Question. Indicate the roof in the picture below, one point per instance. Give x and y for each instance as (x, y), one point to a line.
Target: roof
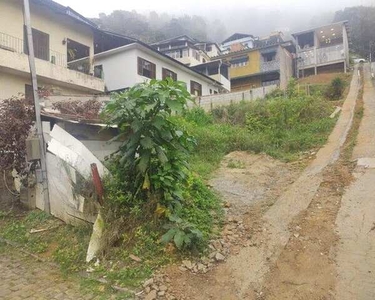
(180, 37)
(210, 63)
(237, 36)
(65, 10)
(136, 42)
(284, 44)
(345, 23)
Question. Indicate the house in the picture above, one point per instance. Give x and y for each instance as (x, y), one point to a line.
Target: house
(268, 62)
(237, 41)
(184, 49)
(136, 62)
(199, 56)
(323, 49)
(61, 36)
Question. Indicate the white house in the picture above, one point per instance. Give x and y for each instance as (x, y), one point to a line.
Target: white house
(125, 66)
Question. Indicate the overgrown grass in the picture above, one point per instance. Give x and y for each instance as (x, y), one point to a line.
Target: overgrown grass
(279, 127)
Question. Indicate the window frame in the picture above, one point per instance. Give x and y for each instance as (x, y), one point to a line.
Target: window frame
(141, 68)
(195, 86)
(165, 72)
(38, 41)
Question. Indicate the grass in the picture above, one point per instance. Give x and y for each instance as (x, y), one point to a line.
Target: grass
(282, 128)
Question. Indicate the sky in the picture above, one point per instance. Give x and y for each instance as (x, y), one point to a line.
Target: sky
(91, 8)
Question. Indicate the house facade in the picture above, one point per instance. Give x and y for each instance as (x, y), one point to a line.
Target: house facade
(60, 37)
(236, 42)
(125, 66)
(271, 63)
(322, 49)
(200, 56)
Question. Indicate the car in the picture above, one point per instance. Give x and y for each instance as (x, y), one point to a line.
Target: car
(359, 60)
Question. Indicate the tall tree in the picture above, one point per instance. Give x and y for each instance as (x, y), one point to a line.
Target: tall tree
(362, 27)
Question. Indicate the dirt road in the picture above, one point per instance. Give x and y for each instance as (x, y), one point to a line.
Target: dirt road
(291, 228)
(356, 218)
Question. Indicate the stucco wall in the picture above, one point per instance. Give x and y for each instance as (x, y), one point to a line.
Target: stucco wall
(120, 70)
(286, 67)
(57, 26)
(13, 85)
(252, 67)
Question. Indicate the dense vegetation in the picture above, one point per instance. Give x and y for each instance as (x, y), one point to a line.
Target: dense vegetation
(362, 23)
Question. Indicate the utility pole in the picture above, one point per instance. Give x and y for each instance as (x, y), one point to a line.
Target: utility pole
(43, 162)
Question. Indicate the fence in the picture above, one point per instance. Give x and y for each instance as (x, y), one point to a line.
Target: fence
(209, 102)
(14, 44)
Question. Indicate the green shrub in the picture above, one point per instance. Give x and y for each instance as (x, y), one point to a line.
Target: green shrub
(150, 174)
(336, 89)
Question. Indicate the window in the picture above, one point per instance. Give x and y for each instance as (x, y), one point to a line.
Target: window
(169, 73)
(195, 88)
(209, 48)
(76, 50)
(29, 92)
(98, 71)
(146, 68)
(239, 62)
(40, 42)
(269, 56)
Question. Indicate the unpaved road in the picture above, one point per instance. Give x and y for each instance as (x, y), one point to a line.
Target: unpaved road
(356, 218)
(290, 217)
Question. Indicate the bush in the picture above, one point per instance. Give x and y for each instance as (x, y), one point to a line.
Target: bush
(336, 89)
(151, 172)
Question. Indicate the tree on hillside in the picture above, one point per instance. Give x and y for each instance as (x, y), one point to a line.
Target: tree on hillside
(362, 24)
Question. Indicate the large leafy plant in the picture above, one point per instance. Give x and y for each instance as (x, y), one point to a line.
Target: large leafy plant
(152, 162)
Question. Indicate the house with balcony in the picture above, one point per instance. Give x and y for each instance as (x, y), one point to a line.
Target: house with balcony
(237, 41)
(322, 49)
(199, 56)
(61, 37)
(184, 49)
(269, 62)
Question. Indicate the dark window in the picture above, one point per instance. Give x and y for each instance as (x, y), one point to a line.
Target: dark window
(209, 48)
(146, 68)
(98, 71)
(169, 73)
(41, 44)
(76, 50)
(269, 56)
(195, 88)
(210, 91)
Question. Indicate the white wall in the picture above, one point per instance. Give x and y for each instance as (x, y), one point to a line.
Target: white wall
(120, 70)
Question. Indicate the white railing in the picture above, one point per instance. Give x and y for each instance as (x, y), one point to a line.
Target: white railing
(212, 101)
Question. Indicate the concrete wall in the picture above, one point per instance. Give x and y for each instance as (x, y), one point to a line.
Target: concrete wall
(286, 67)
(121, 70)
(209, 102)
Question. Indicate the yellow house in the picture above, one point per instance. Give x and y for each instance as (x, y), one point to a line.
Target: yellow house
(61, 37)
(266, 64)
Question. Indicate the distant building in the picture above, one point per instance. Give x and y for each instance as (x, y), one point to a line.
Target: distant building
(61, 36)
(136, 62)
(322, 49)
(199, 56)
(269, 61)
(237, 42)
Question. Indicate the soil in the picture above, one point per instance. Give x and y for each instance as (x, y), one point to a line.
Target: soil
(289, 248)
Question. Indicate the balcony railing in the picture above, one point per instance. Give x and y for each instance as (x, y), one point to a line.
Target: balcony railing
(330, 54)
(13, 44)
(323, 55)
(268, 66)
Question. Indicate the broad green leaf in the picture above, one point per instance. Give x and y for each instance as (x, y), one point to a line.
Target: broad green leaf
(179, 239)
(168, 236)
(147, 143)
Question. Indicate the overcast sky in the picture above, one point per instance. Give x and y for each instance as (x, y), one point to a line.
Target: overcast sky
(91, 8)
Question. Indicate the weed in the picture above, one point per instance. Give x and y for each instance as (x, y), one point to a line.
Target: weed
(235, 164)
